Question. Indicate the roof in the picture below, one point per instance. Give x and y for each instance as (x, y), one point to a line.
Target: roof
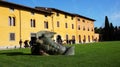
(57, 10)
(18, 6)
(54, 9)
(43, 10)
(84, 17)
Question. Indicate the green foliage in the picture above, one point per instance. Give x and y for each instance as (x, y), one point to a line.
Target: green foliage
(108, 32)
(102, 54)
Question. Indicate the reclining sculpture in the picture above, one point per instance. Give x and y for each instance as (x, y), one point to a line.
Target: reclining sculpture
(43, 44)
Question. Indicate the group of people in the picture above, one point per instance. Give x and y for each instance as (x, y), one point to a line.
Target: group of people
(26, 43)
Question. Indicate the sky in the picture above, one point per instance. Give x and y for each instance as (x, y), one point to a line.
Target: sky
(95, 9)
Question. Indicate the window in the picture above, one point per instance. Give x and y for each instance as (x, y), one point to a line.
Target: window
(12, 36)
(78, 27)
(57, 14)
(32, 13)
(11, 21)
(73, 37)
(32, 22)
(46, 24)
(58, 24)
(92, 29)
(45, 15)
(65, 16)
(72, 26)
(79, 38)
(83, 20)
(33, 34)
(89, 38)
(88, 29)
(72, 18)
(84, 40)
(84, 28)
(11, 9)
(92, 38)
(78, 19)
(66, 26)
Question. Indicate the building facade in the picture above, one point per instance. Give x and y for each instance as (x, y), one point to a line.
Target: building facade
(18, 22)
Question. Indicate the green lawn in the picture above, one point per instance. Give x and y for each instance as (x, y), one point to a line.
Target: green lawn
(103, 54)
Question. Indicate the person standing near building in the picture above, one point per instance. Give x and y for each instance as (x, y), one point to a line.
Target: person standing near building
(20, 42)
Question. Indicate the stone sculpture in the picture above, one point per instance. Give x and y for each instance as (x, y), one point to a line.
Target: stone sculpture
(43, 44)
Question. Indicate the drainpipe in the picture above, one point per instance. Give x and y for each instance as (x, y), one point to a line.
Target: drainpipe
(52, 24)
(20, 23)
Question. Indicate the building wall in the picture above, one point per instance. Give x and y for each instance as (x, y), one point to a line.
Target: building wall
(6, 29)
(62, 30)
(23, 29)
(86, 31)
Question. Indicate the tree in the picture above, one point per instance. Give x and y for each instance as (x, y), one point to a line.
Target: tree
(106, 30)
(111, 32)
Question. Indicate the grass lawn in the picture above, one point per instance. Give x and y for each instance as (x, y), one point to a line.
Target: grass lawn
(102, 54)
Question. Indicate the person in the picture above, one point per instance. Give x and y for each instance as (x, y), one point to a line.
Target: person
(20, 42)
(26, 43)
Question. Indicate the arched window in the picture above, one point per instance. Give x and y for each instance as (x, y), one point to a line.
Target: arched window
(88, 38)
(32, 22)
(79, 38)
(84, 40)
(11, 21)
(92, 38)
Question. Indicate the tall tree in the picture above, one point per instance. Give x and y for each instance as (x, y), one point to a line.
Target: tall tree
(106, 31)
(111, 32)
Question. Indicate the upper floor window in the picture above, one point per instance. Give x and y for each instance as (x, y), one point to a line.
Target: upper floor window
(92, 29)
(58, 24)
(72, 18)
(11, 9)
(65, 16)
(46, 24)
(45, 15)
(32, 13)
(83, 20)
(11, 21)
(72, 26)
(32, 22)
(88, 29)
(12, 36)
(57, 14)
(78, 19)
(78, 27)
(83, 27)
(66, 25)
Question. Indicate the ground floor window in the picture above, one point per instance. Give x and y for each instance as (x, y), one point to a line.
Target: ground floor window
(33, 34)
(89, 38)
(79, 38)
(12, 36)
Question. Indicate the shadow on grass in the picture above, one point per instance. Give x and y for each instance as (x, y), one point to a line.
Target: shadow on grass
(14, 53)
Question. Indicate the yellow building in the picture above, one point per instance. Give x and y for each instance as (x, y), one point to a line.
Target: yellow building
(85, 29)
(18, 22)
